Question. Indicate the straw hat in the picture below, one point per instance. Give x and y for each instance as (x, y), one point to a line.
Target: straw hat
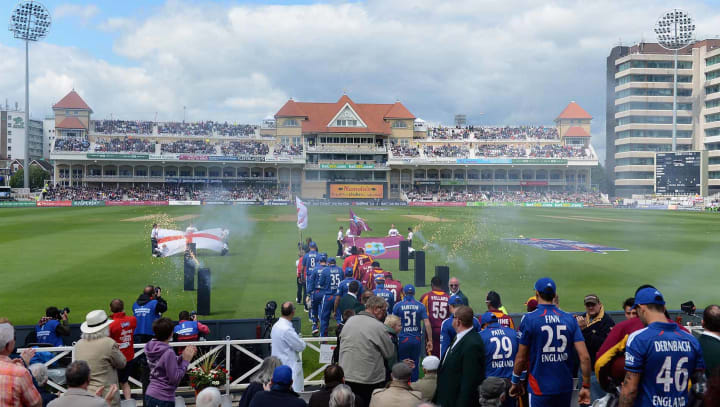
(95, 321)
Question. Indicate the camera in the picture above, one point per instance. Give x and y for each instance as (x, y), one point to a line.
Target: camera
(688, 307)
(65, 310)
(270, 309)
(157, 290)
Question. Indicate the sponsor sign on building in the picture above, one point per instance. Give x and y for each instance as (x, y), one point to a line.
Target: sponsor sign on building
(354, 191)
(112, 156)
(347, 166)
(16, 204)
(88, 203)
(54, 204)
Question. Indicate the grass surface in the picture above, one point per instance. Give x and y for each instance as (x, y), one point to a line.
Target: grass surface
(84, 257)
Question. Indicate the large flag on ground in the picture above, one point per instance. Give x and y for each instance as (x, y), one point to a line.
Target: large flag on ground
(302, 213)
(172, 242)
(357, 224)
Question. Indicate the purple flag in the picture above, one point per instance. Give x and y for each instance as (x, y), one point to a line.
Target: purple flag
(357, 224)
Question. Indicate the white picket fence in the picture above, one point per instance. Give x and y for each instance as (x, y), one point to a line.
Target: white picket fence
(205, 350)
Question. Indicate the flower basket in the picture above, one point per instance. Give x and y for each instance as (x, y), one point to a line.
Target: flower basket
(207, 374)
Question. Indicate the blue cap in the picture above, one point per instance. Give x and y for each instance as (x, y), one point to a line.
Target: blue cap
(648, 296)
(313, 245)
(322, 257)
(348, 271)
(331, 259)
(488, 318)
(545, 285)
(380, 278)
(409, 289)
(455, 300)
(282, 375)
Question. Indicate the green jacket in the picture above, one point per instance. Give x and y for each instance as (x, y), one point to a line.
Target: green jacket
(461, 372)
(347, 301)
(710, 346)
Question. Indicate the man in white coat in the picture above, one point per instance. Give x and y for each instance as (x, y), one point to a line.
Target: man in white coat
(287, 345)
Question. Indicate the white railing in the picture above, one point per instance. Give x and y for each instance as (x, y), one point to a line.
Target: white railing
(215, 347)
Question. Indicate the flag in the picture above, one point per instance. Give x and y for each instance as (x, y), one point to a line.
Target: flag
(357, 224)
(302, 213)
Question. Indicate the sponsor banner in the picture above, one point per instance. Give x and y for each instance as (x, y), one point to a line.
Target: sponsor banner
(281, 158)
(88, 203)
(188, 157)
(18, 204)
(54, 204)
(427, 182)
(113, 156)
(483, 161)
(246, 203)
(438, 204)
(161, 157)
(216, 202)
(539, 161)
(184, 203)
(452, 182)
(347, 166)
(136, 203)
(277, 203)
(564, 245)
(533, 183)
(351, 191)
(378, 247)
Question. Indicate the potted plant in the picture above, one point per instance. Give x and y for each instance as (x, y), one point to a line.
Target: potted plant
(206, 374)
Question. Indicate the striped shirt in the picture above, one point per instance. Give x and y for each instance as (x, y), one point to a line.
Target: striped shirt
(16, 386)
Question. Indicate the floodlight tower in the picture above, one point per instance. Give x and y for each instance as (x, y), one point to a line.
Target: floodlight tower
(30, 21)
(674, 31)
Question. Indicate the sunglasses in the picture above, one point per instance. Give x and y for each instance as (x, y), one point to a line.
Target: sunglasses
(454, 285)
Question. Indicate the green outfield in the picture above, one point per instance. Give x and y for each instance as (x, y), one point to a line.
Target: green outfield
(84, 257)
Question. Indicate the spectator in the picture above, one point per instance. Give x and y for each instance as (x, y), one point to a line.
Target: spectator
(13, 374)
(463, 367)
(77, 377)
(40, 373)
(710, 340)
(393, 326)
(595, 326)
(350, 300)
(188, 328)
(455, 290)
(280, 393)
(398, 392)
(260, 381)
(148, 308)
(287, 345)
(365, 346)
(101, 353)
(342, 396)
(121, 331)
(209, 397)
(167, 368)
(334, 377)
(494, 305)
(428, 383)
(52, 327)
(630, 311)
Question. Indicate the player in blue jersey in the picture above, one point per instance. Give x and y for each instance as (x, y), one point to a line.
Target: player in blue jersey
(343, 289)
(413, 316)
(500, 350)
(313, 292)
(447, 332)
(381, 291)
(660, 359)
(328, 282)
(546, 337)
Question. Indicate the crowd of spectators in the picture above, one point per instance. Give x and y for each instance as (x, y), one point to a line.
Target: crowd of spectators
(493, 133)
(399, 150)
(244, 193)
(206, 129)
(123, 127)
(126, 144)
(287, 149)
(188, 147)
(446, 195)
(237, 148)
(446, 151)
(164, 193)
(72, 144)
(531, 151)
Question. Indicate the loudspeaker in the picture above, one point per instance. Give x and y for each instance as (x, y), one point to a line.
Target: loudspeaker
(203, 292)
(419, 268)
(444, 273)
(189, 280)
(404, 245)
(193, 248)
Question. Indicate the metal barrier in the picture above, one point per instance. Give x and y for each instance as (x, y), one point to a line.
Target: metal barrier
(216, 347)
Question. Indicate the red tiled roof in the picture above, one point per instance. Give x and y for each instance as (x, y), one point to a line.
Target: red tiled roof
(318, 115)
(72, 101)
(576, 131)
(574, 111)
(71, 123)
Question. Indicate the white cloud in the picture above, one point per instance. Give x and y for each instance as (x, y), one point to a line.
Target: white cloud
(82, 12)
(516, 62)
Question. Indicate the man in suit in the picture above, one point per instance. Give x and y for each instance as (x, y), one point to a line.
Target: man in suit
(350, 300)
(463, 367)
(455, 290)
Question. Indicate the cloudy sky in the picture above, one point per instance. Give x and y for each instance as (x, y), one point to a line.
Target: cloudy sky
(499, 62)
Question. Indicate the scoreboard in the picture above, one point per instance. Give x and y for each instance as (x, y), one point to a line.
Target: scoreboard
(678, 173)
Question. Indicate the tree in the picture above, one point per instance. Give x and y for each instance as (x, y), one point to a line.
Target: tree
(599, 177)
(38, 176)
